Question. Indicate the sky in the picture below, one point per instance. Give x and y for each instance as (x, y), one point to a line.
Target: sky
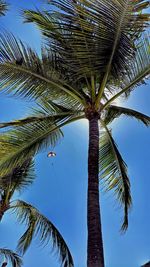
(60, 187)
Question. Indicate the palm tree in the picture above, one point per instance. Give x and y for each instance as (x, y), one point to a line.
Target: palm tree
(7, 255)
(37, 224)
(3, 7)
(91, 56)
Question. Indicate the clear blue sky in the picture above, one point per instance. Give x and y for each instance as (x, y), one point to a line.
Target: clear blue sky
(60, 188)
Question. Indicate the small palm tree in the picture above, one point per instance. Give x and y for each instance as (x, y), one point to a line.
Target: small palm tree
(7, 255)
(92, 56)
(37, 224)
(3, 7)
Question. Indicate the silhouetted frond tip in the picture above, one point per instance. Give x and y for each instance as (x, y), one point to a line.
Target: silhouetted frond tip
(114, 112)
(113, 172)
(3, 7)
(39, 226)
(13, 258)
(19, 177)
(22, 143)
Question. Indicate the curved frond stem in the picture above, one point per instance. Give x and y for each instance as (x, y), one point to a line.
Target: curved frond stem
(110, 139)
(134, 82)
(117, 37)
(81, 18)
(93, 91)
(40, 226)
(20, 155)
(73, 93)
(33, 119)
(114, 112)
(135, 73)
(115, 174)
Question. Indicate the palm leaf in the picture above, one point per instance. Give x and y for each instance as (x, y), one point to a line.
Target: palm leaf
(24, 73)
(91, 36)
(20, 177)
(114, 112)
(136, 72)
(39, 226)
(128, 29)
(16, 180)
(113, 172)
(3, 7)
(23, 142)
(11, 256)
(20, 144)
(49, 111)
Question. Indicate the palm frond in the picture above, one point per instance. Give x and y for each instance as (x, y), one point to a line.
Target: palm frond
(48, 110)
(3, 7)
(137, 71)
(113, 172)
(91, 36)
(114, 112)
(20, 177)
(24, 142)
(39, 226)
(16, 180)
(24, 73)
(11, 257)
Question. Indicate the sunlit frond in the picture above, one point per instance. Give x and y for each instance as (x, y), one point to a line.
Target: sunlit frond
(24, 73)
(20, 144)
(137, 71)
(114, 112)
(39, 226)
(10, 256)
(91, 36)
(113, 172)
(23, 142)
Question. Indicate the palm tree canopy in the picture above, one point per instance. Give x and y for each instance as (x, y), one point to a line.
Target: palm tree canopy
(91, 56)
(11, 257)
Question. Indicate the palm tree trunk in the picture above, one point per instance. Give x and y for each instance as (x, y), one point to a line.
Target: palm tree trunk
(95, 255)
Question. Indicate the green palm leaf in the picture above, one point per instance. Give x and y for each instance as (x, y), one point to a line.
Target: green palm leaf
(113, 171)
(20, 177)
(39, 225)
(91, 36)
(20, 144)
(24, 73)
(10, 256)
(16, 180)
(40, 115)
(136, 72)
(114, 112)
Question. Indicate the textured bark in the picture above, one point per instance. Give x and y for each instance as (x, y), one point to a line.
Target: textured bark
(95, 255)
